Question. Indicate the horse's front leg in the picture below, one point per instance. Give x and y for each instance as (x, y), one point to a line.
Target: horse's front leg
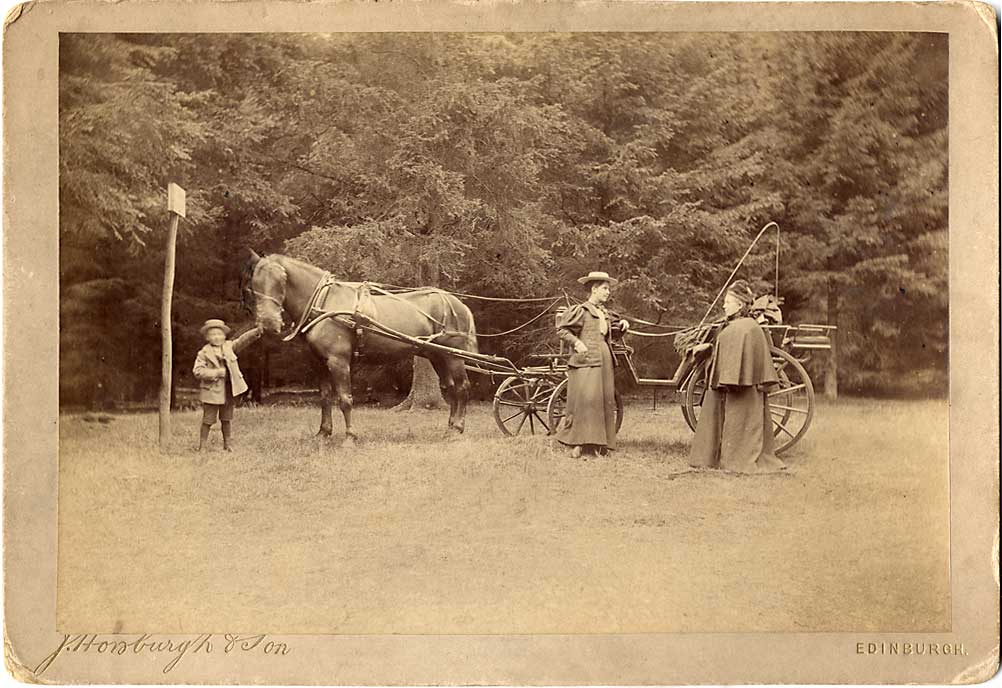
(340, 369)
(326, 396)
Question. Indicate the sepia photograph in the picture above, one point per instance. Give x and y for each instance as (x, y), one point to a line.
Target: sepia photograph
(505, 333)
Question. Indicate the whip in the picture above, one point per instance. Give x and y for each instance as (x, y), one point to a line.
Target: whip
(738, 267)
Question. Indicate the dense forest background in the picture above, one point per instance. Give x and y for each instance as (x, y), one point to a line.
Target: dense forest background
(507, 165)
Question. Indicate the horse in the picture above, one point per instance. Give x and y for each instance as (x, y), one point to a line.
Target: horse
(276, 283)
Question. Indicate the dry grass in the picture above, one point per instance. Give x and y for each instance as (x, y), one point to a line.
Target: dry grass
(412, 533)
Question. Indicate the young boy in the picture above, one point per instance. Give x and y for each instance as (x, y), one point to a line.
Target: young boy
(221, 381)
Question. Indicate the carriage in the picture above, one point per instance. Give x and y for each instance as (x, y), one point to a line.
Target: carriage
(531, 399)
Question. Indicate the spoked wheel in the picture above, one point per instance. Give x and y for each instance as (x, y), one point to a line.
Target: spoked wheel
(696, 383)
(694, 393)
(558, 401)
(520, 405)
(791, 403)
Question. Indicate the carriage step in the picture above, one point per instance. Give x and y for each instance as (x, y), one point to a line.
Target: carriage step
(811, 342)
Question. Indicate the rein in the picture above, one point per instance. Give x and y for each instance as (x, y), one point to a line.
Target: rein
(379, 290)
(314, 313)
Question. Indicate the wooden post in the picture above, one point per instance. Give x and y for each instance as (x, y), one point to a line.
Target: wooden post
(831, 370)
(176, 207)
(831, 365)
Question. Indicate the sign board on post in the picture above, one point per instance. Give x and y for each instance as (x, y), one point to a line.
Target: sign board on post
(176, 206)
(176, 199)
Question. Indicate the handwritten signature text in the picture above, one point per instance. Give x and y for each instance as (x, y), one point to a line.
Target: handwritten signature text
(173, 648)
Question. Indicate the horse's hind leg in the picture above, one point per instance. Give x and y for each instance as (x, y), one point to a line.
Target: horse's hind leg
(447, 386)
(460, 391)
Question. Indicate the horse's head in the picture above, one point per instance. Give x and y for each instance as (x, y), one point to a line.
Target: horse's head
(265, 288)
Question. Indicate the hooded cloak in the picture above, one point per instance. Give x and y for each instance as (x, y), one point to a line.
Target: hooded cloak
(735, 430)
(742, 356)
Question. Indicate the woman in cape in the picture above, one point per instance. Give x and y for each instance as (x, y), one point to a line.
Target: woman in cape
(590, 414)
(734, 431)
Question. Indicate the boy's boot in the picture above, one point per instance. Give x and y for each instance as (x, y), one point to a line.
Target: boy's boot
(226, 435)
(203, 434)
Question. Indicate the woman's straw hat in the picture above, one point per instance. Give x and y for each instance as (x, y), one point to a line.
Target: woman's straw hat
(598, 276)
(214, 323)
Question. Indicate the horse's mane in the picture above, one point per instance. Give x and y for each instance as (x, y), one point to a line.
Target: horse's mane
(295, 261)
(246, 273)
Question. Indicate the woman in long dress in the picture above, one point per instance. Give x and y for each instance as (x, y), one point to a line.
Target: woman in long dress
(734, 432)
(590, 414)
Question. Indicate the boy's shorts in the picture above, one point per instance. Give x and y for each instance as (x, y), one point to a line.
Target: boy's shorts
(221, 411)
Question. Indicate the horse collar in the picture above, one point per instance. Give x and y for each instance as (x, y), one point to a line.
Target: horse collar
(325, 281)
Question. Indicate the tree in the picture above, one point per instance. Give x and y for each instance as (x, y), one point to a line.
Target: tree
(871, 220)
(507, 165)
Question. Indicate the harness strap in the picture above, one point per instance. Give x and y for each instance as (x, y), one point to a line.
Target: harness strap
(359, 331)
(433, 337)
(383, 292)
(315, 312)
(448, 305)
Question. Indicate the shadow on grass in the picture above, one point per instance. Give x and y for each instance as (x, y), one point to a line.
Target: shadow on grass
(651, 445)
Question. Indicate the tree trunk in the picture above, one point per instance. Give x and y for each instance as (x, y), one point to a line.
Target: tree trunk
(425, 392)
(831, 366)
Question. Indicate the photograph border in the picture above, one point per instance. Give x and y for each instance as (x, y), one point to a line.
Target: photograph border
(31, 416)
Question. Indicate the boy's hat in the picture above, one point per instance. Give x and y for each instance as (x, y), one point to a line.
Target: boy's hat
(214, 323)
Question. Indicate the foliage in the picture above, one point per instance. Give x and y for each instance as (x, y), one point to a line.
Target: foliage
(507, 165)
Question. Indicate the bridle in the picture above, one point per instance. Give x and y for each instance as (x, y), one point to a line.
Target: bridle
(247, 287)
(281, 304)
(303, 323)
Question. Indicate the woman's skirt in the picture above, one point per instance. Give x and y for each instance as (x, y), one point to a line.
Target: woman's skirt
(734, 432)
(590, 413)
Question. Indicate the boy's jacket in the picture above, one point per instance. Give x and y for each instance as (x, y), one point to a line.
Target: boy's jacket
(208, 364)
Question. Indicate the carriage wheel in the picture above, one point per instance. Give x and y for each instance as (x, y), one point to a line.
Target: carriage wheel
(520, 405)
(791, 403)
(558, 400)
(697, 383)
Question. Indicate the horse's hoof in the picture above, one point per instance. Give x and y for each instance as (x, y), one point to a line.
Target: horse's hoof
(323, 434)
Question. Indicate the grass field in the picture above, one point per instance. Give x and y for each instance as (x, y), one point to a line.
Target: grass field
(409, 532)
